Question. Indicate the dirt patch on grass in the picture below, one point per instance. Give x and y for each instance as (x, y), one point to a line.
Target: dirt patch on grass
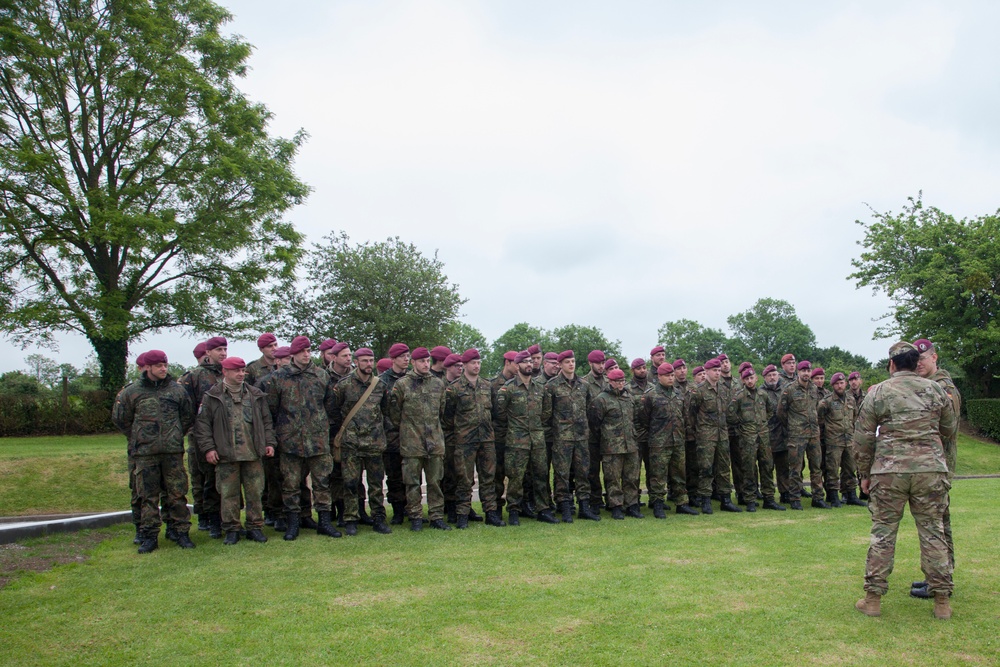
(43, 555)
(365, 598)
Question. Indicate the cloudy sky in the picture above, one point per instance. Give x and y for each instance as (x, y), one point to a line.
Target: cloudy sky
(625, 164)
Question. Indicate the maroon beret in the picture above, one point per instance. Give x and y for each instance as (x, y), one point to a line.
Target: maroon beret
(440, 353)
(610, 363)
(363, 352)
(723, 357)
(509, 355)
(398, 349)
(199, 351)
(214, 342)
(420, 353)
(854, 374)
(566, 354)
(327, 344)
(534, 349)
(746, 372)
(551, 356)
(770, 368)
(155, 357)
(338, 348)
(712, 363)
(233, 363)
(638, 363)
(282, 352)
(679, 362)
(596, 357)
(452, 359)
(140, 361)
(923, 345)
(299, 344)
(787, 357)
(837, 377)
(664, 369)
(470, 355)
(803, 365)
(616, 374)
(744, 366)
(656, 350)
(522, 356)
(698, 369)
(383, 364)
(265, 340)
(817, 371)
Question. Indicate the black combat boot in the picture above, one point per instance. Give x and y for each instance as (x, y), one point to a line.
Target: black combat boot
(528, 511)
(438, 524)
(587, 513)
(363, 518)
(257, 535)
(566, 508)
(851, 498)
(727, 504)
(215, 526)
(232, 537)
(795, 504)
(783, 497)
(171, 533)
(686, 509)
(512, 518)
(706, 505)
(202, 522)
(752, 506)
(350, 528)
(546, 516)
(416, 525)
(617, 514)
(398, 513)
(451, 510)
(740, 500)
(280, 524)
(184, 541)
(150, 542)
(769, 504)
(473, 516)
(379, 525)
(633, 511)
(818, 502)
(325, 526)
(833, 497)
(268, 518)
(493, 519)
(291, 525)
(461, 521)
(308, 522)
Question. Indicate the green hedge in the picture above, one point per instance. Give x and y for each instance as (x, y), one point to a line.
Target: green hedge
(35, 415)
(984, 415)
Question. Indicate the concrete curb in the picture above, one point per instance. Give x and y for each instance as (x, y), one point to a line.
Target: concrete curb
(12, 532)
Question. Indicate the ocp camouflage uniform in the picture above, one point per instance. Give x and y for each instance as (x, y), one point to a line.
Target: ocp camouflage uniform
(906, 462)
(237, 426)
(518, 410)
(837, 415)
(416, 406)
(595, 385)
(637, 389)
(612, 416)
(797, 407)
(468, 415)
(943, 378)
(777, 438)
(395, 488)
(567, 422)
(661, 413)
(154, 415)
(197, 381)
(707, 418)
(499, 442)
(749, 413)
(301, 404)
(362, 443)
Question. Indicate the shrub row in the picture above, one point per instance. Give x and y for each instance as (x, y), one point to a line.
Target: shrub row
(34, 415)
(984, 416)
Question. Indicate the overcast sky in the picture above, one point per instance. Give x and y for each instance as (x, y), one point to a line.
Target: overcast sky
(625, 164)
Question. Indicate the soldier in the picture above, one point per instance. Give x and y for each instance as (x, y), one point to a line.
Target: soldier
(438, 356)
(707, 418)
(274, 507)
(684, 388)
(788, 374)
(468, 416)
(382, 365)
(900, 452)
(300, 397)
(154, 413)
(194, 470)
(595, 385)
(550, 367)
(416, 407)
(234, 432)
(819, 379)
(360, 429)
(749, 412)
(519, 407)
(258, 368)
(837, 413)
(661, 413)
(854, 382)
(729, 386)
(657, 357)
(337, 360)
(399, 356)
(453, 368)
(776, 432)
(612, 416)
(325, 356)
(135, 504)
(637, 386)
(198, 381)
(508, 371)
(568, 425)
(536, 359)
(698, 376)
(927, 367)
(797, 411)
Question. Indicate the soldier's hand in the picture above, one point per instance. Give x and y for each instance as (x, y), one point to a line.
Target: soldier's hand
(212, 457)
(865, 483)
(269, 451)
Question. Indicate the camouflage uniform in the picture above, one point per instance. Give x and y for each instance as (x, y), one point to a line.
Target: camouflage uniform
(518, 410)
(837, 416)
(197, 381)
(134, 503)
(749, 413)
(362, 443)
(943, 378)
(301, 403)
(661, 413)
(797, 411)
(905, 462)
(637, 389)
(393, 462)
(237, 426)
(337, 473)
(595, 385)
(729, 386)
(777, 438)
(859, 396)
(257, 369)
(272, 501)
(499, 442)
(707, 419)
(154, 415)
(567, 421)
(468, 416)
(416, 406)
(612, 417)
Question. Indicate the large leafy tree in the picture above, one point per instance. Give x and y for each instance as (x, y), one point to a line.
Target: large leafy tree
(689, 340)
(943, 276)
(519, 337)
(769, 329)
(583, 339)
(139, 188)
(372, 294)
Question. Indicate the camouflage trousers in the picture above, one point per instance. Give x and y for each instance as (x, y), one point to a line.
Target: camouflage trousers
(372, 464)
(644, 463)
(393, 464)
(781, 470)
(927, 495)
(594, 476)
(293, 471)
(197, 480)
(571, 467)
(713, 466)
(666, 471)
(272, 486)
(500, 476)
(518, 462)
(468, 459)
(162, 474)
(798, 450)
(337, 481)
(691, 467)
(754, 458)
(233, 478)
(135, 504)
(841, 469)
(211, 503)
(449, 482)
(621, 477)
(432, 468)
(736, 465)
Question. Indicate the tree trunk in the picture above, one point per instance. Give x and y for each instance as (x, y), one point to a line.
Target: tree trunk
(111, 355)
